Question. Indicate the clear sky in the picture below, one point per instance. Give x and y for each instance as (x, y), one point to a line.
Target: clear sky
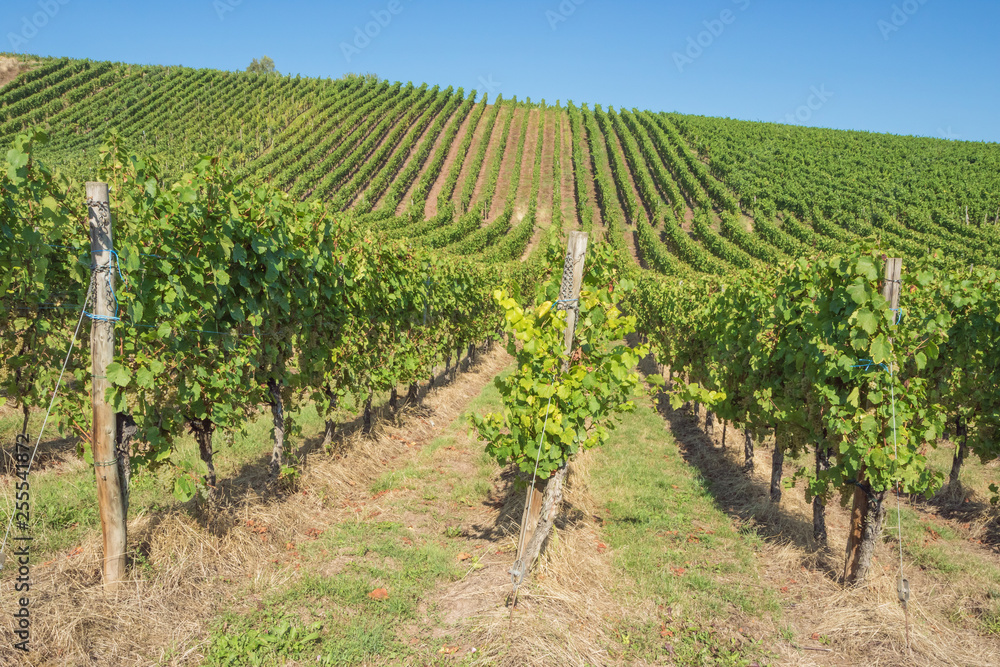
(923, 67)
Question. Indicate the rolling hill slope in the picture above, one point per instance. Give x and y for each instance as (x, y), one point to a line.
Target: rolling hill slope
(682, 194)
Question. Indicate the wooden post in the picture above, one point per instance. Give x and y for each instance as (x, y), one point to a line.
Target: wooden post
(529, 519)
(569, 291)
(110, 500)
(857, 562)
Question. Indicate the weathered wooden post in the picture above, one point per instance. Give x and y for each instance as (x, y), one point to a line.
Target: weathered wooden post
(110, 499)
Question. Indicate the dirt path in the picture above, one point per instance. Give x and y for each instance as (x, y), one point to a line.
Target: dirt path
(356, 142)
(477, 139)
(588, 162)
(407, 199)
(422, 105)
(616, 144)
(409, 157)
(506, 164)
(491, 152)
(633, 246)
(430, 206)
(567, 190)
(535, 238)
(543, 210)
(628, 229)
(522, 195)
(547, 185)
(688, 202)
(688, 218)
(688, 205)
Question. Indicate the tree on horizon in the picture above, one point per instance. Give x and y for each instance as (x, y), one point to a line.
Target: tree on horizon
(263, 66)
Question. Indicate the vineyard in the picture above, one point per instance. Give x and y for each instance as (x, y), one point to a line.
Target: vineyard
(342, 334)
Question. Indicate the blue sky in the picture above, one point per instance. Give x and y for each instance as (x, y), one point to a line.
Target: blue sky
(923, 67)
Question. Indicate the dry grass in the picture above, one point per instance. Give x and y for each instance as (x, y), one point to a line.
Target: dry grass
(865, 625)
(565, 607)
(192, 562)
(10, 68)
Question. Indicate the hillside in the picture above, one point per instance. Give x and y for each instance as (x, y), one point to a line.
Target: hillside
(295, 322)
(692, 194)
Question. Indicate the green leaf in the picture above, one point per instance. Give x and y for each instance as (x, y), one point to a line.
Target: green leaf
(866, 267)
(869, 424)
(853, 399)
(17, 159)
(136, 311)
(858, 292)
(118, 374)
(144, 377)
(881, 350)
(184, 488)
(867, 320)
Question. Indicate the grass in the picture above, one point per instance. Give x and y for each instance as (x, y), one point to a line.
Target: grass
(690, 583)
(64, 509)
(680, 551)
(325, 614)
(344, 624)
(974, 476)
(336, 612)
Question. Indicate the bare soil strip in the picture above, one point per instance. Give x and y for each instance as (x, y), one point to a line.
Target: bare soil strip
(568, 192)
(628, 229)
(543, 212)
(426, 102)
(407, 199)
(506, 164)
(369, 128)
(688, 217)
(491, 151)
(406, 162)
(630, 177)
(363, 190)
(477, 137)
(588, 162)
(547, 184)
(430, 206)
(10, 68)
(522, 195)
